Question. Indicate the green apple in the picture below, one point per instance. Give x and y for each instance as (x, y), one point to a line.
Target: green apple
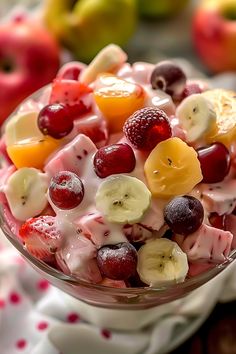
(160, 8)
(86, 26)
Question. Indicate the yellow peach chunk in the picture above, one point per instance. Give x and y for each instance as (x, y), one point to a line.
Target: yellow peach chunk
(32, 152)
(172, 168)
(224, 103)
(117, 99)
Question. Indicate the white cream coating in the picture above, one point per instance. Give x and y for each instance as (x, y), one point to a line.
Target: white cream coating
(219, 197)
(69, 221)
(207, 243)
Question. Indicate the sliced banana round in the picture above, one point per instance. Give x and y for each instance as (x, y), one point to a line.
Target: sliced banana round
(22, 126)
(196, 115)
(161, 261)
(26, 192)
(123, 199)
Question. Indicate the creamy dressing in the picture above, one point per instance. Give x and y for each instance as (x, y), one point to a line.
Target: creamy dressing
(83, 233)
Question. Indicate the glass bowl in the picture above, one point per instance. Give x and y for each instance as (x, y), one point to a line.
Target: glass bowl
(103, 296)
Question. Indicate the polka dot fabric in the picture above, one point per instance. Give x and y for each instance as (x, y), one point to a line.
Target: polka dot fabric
(36, 319)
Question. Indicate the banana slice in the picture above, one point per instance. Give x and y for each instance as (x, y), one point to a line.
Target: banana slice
(109, 59)
(224, 103)
(26, 192)
(197, 116)
(161, 261)
(123, 199)
(22, 126)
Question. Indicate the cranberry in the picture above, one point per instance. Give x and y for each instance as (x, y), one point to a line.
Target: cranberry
(215, 162)
(54, 120)
(184, 215)
(147, 127)
(190, 89)
(66, 190)
(217, 220)
(169, 78)
(112, 159)
(118, 261)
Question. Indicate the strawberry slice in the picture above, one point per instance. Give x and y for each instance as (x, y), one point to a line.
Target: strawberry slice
(41, 237)
(74, 94)
(94, 127)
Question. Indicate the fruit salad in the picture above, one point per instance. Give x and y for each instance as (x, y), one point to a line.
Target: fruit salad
(123, 175)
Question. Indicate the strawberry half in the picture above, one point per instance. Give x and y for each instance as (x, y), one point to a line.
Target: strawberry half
(41, 237)
(73, 94)
(94, 127)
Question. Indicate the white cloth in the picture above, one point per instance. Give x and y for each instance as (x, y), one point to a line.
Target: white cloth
(36, 318)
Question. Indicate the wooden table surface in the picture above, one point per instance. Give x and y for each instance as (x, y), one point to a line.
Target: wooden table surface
(216, 336)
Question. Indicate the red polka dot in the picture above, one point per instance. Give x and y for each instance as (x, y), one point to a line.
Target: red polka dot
(105, 333)
(21, 344)
(2, 304)
(43, 285)
(42, 325)
(14, 298)
(73, 317)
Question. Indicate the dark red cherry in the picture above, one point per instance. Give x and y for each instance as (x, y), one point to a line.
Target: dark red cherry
(66, 190)
(55, 120)
(215, 162)
(118, 261)
(112, 159)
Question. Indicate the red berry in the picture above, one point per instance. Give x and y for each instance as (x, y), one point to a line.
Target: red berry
(54, 120)
(147, 127)
(41, 237)
(66, 190)
(112, 159)
(190, 89)
(94, 127)
(215, 162)
(118, 261)
(217, 221)
(168, 77)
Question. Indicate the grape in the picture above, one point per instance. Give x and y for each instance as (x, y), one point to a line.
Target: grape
(184, 215)
(169, 78)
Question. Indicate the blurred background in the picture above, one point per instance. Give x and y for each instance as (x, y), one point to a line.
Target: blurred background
(38, 36)
(202, 33)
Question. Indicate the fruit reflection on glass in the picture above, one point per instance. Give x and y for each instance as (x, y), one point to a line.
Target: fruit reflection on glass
(214, 34)
(136, 202)
(26, 64)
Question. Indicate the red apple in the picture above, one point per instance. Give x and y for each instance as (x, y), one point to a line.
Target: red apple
(214, 34)
(29, 59)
